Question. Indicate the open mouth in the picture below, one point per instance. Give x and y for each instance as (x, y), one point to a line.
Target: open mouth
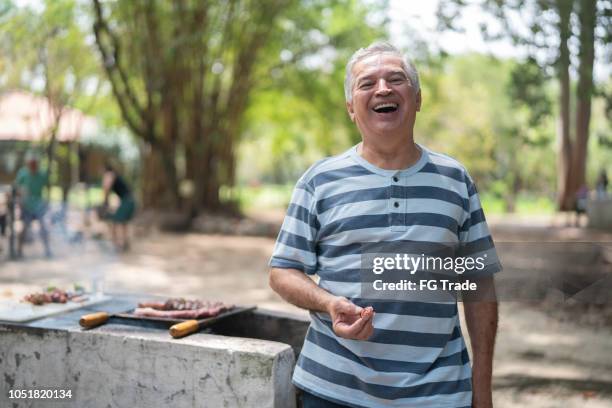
(385, 107)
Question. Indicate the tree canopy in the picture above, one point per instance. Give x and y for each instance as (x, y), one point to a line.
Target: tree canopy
(244, 91)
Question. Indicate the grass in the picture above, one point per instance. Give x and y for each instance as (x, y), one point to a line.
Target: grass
(265, 196)
(79, 198)
(526, 203)
(272, 196)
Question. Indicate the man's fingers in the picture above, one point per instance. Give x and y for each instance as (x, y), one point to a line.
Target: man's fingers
(366, 333)
(342, 330)
(351, 321)
(367, 311)
(348, 330)
(354, 330)
(360, 330)
(367, 330)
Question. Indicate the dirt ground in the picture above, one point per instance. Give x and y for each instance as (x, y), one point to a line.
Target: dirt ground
(541, 360)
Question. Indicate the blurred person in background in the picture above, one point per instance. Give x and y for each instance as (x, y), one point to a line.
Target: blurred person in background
(580, 204)
(3, 217)
(601, 187)
(113, 182)
(30, 184)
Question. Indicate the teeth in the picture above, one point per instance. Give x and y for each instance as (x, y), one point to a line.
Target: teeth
(385, 105)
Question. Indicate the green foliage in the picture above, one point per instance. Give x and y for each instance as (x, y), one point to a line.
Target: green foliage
(477, 109)
(498, 117)
(559, 36)
(527, 88)
(47, 48)
(297, 113)
(471, 116)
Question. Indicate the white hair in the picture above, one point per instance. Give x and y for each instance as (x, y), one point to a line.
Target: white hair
(377, 48)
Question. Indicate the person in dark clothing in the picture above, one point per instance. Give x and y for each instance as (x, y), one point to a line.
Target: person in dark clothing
(3, 212)
(602, 185)
(580, 203)
(3, 217)
(114, 183)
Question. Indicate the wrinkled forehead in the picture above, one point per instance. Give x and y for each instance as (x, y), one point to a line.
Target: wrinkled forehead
(385, 62)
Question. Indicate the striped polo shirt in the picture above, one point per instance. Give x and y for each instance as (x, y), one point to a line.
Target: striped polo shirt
(417, 356)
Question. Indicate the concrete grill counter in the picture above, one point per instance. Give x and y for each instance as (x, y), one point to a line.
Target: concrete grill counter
(246, 361)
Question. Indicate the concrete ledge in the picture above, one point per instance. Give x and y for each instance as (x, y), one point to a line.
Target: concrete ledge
(599, 212)
(127, 366)
(267, 324)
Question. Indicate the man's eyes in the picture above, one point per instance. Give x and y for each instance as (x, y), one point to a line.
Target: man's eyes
(369, 84)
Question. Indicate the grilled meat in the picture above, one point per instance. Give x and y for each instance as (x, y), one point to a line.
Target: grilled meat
(179, 304)
(181, 314)
(180, 308)
(52, 295)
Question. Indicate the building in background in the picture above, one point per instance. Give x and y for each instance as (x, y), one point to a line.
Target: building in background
(28, 122)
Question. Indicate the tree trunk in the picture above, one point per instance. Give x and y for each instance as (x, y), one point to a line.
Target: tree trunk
(584, 91)
(564, 158)
(159, 185)
(210, 182)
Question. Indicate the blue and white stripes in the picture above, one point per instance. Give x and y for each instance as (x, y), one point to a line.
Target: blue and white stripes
(416, 356)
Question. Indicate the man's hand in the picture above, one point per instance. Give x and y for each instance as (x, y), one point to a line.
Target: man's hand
(351, 321)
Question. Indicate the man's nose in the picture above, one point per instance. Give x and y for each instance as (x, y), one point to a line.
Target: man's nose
(382, 88)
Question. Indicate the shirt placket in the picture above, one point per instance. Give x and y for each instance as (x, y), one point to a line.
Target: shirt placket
(397, 204)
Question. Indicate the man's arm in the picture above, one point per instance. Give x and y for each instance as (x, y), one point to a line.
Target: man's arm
(298, 289)
(481, 318)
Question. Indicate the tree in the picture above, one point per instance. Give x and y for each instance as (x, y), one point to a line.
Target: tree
(183, 73)
(587, 16)
(546, 26)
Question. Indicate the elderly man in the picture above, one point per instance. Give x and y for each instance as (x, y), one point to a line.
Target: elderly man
(359, 351)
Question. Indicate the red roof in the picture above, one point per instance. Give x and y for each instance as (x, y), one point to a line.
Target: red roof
(27, 117)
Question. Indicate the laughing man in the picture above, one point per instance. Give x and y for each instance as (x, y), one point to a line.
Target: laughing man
(385, 189)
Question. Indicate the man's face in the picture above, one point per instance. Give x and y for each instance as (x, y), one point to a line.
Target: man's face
(384, 101)
(33, 165)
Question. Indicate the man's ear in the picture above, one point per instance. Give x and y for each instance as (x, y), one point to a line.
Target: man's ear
(351, 112)
(418, 101)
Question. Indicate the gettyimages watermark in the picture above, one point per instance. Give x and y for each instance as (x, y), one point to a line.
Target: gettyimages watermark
(531, 271)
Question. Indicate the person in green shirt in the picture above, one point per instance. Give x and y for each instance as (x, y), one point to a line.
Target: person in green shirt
(30, 183)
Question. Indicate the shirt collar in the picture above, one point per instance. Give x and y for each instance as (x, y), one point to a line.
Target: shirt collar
(386, 172)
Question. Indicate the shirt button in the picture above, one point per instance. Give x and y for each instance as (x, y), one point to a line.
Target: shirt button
(395, 179)
(396, 204)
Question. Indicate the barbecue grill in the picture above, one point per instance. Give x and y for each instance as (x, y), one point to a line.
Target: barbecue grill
(243, 360)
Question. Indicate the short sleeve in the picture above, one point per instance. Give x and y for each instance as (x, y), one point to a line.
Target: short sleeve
(296, 243)
(474, 236)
